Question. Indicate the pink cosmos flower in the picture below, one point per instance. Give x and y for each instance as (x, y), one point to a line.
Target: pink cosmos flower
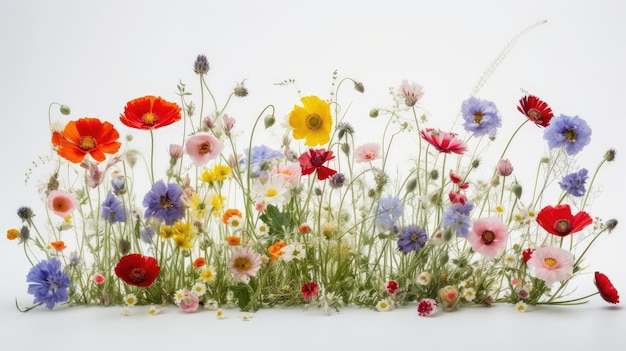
(244, 263)
(228, 122)
(444, 141)
(411, 92)
(426, 307)
(61, 203)
(367, 152)
(203, 147)
(488, 236)
(291, 172)
(551, 264)
(189, 302)
(98, 278)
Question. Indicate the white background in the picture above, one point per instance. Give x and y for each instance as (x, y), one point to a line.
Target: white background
(95, 56)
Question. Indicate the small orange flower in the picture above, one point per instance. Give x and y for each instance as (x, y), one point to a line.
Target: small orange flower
(86, 136)
(229, 213)
(150, 112)
(199, 262)
(275, 250)
(233, 240)
(12, 234)
(58, 245)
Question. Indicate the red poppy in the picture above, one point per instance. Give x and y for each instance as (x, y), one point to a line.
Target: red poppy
(86, 136)
(137, 270)
(606, 288)
(527, 254)
(150, 112)
(314, 160)
(309, 290)
(444, 141)
(536, 110)
(560, 221)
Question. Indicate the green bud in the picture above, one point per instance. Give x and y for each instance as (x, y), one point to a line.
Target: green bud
(611, 224)
(374, 113)
(358, 86)
(269, 121)
(475, 163)
(411, 185)
(517, 190)
(65, 110)
(610, 155)
(345, 147)
(434, 174)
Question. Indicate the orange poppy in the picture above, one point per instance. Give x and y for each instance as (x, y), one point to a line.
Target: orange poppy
(233, 240)
(275, 250)
(58, 245)
(150, 112)
(199, 262)
(86, 136)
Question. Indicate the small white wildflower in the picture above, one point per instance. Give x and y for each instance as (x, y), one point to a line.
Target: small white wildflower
(469, 294)
(153, 311)
(219, 314)
(383, 305)
(198, 289)
(126, 311)
(520, 306)
(211, 305)
(130, 300)
(423, 278)
(178, 296)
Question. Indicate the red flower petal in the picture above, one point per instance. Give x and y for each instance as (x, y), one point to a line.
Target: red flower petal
(606, 288)
(150, 112)
(559, 220)
(137, 270)
(536, 110)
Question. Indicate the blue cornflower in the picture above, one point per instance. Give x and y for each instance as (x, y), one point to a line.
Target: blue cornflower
(481, 117)
(388, 211)
(457, 218)
(573, 133)
(260, 158)
(411, 238)
(112, 209)
(48, 282)
(574, 183)
(164, 202)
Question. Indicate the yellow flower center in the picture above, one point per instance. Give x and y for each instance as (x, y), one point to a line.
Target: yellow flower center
(87, 143)
(149, 118)
(313, 121)
(478, 117)
(271, 192)
(488, 236)
(550, 262)
(570, 134)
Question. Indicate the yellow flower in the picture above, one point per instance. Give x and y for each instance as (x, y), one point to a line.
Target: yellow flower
(221, 172)
(208, 176)
(207, 274)
(312, 122)
(182, 233)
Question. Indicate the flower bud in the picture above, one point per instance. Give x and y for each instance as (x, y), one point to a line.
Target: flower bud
(495, 181)
(609, 155)
(358, 86)
(475, 163)
(517, 190)
(611, 224)
(240, 90)
(505, 168)
(201, 66)
(374, 113)
(345, 147)
(65, 110)
(434, 174)
(269, 121)
(411, 185)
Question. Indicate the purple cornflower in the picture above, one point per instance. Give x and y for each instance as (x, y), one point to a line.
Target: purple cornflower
(112, 209)
(337, 180)
(388, 211)
(164, 202)
(411, 238)
(48, 282)
(457, 218)
(573, 133)
(574, 183)
(260, 158)
(481, 117)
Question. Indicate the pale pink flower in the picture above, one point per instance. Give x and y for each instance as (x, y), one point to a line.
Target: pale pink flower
(244, 263)
(228, 122)
(189, 302)
(175, 151)
(367, 152)
(291, 172)
(426, 307)
(411, 92)
(62, 203)
(98, 278)
(505, 168)
(260, 206)
(488, 236)
(203, 147)
(551, 264)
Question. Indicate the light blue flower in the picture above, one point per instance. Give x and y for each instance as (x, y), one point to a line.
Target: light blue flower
(481, 117)
(164, 202)
(572, 133)
(388, 212)
(457, 218)
(48, 282)
(574, 183)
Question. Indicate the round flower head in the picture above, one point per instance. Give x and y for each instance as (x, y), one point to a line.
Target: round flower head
(62, 203)
(411, 92)
(86, 136)
(551, 264)
(48, 282)
(314, 161)
(560, 221)
(202, 147)
(505, 168)
(309, 290)
(574, 183)
(367, 152)
(488, 236)
(444, 141)
(150, 112)
(188, 302)
(164, 202)
(411, 238)
(312, 121)
(571, 133)
(536, 110)
(426, 307)
(244, 263)
(137, 270)
(481, 117)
